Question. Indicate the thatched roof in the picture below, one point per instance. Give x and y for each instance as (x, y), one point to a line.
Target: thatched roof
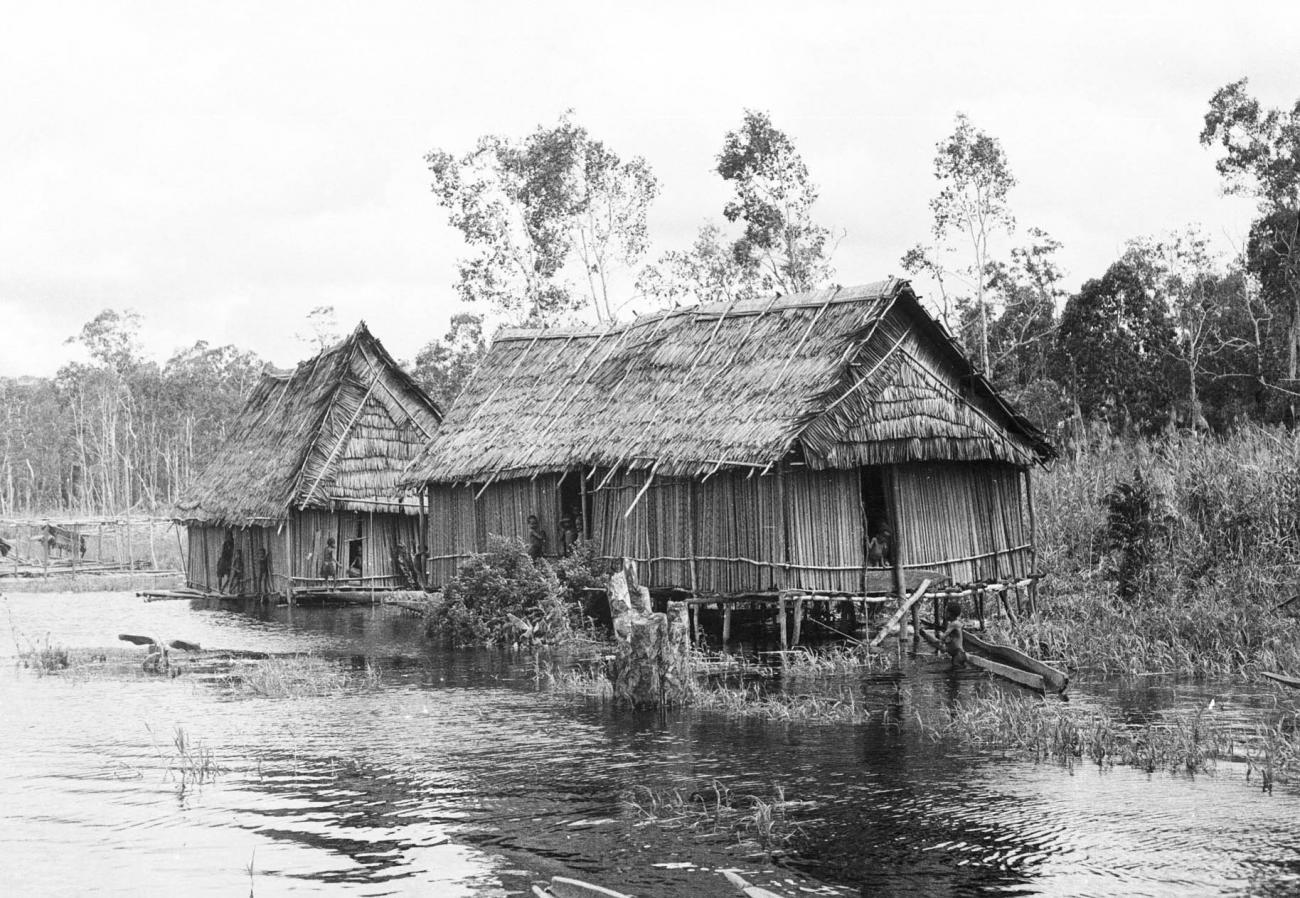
(336, 432)
(838, 377)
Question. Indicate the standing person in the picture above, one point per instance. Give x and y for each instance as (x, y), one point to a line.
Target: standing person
(237, 573)
(880, 551)
(262, 570)
(536, 538)
(568, 535)
(422, 564)
(405, 566)
(224, 561)
(329, 564)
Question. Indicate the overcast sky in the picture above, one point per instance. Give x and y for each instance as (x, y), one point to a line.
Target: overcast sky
(224, 167)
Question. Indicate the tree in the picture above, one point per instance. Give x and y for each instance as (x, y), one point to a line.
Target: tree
(540, 212)
(1114, 340)
(707, 272)
(322, 329)
(974, 180)
(773, 198)
(1199, 300)
(443, 366)
(1020, 338)
(1261, 158)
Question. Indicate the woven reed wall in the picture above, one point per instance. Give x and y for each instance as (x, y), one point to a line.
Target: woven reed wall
(459, 525)
(379, 534)
(964, 519)
(738, 517)
(826, 528)
(657, 533)
(204, 552)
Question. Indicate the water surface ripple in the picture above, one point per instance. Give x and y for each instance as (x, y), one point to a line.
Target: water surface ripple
(456, 777)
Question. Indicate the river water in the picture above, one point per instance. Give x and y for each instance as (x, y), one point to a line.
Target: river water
(455, 776)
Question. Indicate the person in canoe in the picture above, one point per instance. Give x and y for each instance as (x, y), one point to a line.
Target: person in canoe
(952, 640)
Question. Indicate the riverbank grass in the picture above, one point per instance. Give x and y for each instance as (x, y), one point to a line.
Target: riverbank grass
(299, 676)
(759, 824)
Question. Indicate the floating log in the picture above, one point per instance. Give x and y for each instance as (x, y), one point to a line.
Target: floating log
(747, 889)
(564, 887)
(1293, 682)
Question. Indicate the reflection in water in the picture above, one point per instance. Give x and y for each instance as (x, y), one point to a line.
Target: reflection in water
(455, 778)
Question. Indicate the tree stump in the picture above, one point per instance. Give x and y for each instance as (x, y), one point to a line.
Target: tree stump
(651, 667)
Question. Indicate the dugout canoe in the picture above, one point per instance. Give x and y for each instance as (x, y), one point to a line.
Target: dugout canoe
(1293, 682)
(1007, 662)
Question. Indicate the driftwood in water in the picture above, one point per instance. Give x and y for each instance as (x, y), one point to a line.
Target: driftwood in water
(650, 667)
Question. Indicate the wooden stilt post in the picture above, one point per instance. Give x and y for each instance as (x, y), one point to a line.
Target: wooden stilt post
(695, 623)
(900, 583)
(783, 547)
(798, 619)
(726, 623)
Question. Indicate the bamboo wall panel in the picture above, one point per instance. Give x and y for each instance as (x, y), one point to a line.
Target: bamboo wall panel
(504, 507)
(204, 554)
(657, 532)
(452, 531)
(826, 527)
(738, 516)
(379, 535)
(964, 519)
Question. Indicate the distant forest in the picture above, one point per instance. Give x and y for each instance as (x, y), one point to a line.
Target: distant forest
(1168, 336)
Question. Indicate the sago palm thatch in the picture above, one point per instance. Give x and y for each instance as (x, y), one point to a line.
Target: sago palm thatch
(334, 433)
(835, 378)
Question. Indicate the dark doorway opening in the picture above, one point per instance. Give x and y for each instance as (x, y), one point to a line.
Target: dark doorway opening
(878, 548)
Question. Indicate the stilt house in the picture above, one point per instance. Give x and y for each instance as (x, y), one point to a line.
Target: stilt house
(744, 448)
(317, 453)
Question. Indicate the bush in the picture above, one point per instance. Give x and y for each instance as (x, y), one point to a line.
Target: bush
(501, 597)
(582, 571)
(1138, 532)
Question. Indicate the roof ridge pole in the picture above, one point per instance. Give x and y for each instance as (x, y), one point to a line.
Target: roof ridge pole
(339, 444)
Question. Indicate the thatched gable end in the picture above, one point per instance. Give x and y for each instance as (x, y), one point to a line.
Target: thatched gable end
(839, 378)
(336, 432)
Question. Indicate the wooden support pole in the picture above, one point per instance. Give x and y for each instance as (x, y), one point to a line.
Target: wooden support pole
(695, 624)
(896, 547)
(979, 606)
(901, 612)
(798, 619)
(726, 623)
